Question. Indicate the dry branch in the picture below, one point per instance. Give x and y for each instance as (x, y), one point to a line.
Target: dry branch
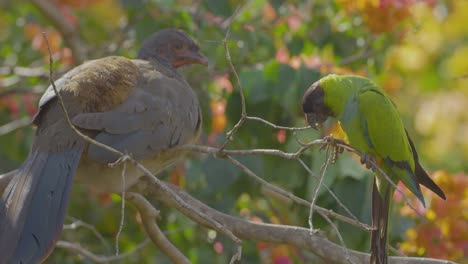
(281, 234)
(148, 216)
(79, 250)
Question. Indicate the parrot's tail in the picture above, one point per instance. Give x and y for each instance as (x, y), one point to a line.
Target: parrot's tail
(33, 205)
(380, 210)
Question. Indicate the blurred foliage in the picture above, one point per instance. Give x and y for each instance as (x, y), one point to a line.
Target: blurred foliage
(446, 220)
(416, 50)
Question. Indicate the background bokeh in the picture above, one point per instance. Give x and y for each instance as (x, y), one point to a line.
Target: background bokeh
(416, 50)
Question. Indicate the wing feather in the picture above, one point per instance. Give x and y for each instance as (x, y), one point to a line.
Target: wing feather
(384, 128)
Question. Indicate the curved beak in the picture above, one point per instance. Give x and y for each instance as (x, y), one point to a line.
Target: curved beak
(191, 57)
(313, 121)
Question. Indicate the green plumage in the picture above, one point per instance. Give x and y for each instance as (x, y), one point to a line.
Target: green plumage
(374, 128)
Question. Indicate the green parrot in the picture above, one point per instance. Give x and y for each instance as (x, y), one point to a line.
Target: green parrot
(374, 128)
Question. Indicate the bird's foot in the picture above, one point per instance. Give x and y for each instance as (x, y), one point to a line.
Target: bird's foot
(334, 143)
(368, 160)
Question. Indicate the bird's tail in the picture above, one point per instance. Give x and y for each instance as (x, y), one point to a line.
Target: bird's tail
(380, 210)
(33, 206)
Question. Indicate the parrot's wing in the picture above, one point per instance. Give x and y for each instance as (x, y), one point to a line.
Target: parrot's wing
(384, 131)
(161, 114)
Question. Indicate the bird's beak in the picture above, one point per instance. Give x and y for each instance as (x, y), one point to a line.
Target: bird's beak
(313, 122)
(198, 57)
(191, 57)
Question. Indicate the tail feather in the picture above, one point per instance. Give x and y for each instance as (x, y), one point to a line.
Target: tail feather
(421, 175)
(5, 179)
(380, 210)
(34, 204)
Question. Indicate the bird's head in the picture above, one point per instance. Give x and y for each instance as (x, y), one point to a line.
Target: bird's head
(314, 106)
(173, 47)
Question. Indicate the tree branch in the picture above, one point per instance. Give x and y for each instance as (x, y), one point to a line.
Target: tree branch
(148, 216)
(282, 234)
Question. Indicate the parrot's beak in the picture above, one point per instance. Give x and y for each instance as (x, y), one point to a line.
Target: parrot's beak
(313, 122)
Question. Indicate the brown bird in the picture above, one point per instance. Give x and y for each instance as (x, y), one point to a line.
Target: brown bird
(142, 107)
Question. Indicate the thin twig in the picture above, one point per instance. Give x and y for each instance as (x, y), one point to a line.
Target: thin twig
(323, 171)
(64, 109)
(80, 223)
(343, 245)
(122, 209)
(292, 197)
(273, 152)
(77, 249)
(362, 225)
(276, 126)
(229, 135)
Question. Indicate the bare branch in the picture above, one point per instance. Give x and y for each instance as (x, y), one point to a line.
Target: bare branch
(64, 109)
(122, 208)
(343, 245)
(148, 216)
(273, 152)
(14, 125)
(76, 223)
(282, 234)
(276, 126)
(294, 198)
(229, 135)
(362, 225)
(323, 170)
(77, 249)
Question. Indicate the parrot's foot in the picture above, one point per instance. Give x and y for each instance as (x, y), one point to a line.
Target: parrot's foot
(333, 143)
(368, 160)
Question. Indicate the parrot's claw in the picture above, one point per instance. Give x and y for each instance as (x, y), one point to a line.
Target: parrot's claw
(333, 142)
(330, 140)
(368, 160)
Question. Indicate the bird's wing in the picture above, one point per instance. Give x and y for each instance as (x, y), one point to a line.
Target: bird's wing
(384, 131)
(162, 113)
(95, 86)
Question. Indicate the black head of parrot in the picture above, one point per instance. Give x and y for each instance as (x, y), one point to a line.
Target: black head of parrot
(314, 107)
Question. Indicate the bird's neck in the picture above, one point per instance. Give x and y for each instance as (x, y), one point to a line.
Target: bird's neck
(163, 65)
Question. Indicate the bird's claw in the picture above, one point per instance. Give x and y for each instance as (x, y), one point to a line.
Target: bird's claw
(334, 144)
(368, 160)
